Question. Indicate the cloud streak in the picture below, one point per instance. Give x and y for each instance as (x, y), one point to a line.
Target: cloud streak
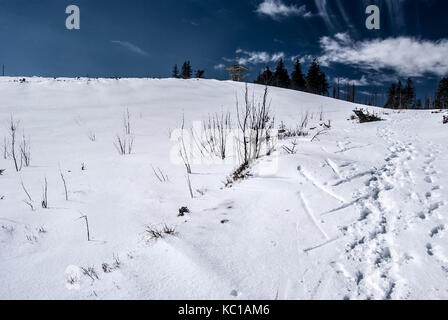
(219, 67)
(257, 57)
(131, 47)
(276, 9)
(406, 56)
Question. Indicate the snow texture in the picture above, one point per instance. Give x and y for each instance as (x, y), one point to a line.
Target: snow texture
(358, 213)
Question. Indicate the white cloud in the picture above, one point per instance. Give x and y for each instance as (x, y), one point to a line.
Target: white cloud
(303, 58)
(256, 57)
(131, 47)
(277, 9)
(405, 55)
(357, 82)
(219, 67)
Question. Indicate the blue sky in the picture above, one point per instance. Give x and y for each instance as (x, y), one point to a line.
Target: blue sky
(140, 38)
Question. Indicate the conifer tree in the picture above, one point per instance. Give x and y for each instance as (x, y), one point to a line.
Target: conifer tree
(281, 76)
(399, 95)
(199, 74)
(353, 93)
(186, 71)
(175, 71)
(391, 96)
(409, 95)
(323, 86)
(441, 99)
(313, 78)
(298, 81)
(418, 104)
(427, 102)
(265, 78)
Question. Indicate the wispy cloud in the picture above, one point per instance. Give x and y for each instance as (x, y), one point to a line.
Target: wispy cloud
(303, 58)
(406, 56)
(219, 67)
(131, 47)
(357, 82)
(324, 10)
(257, 57)
(276, 9)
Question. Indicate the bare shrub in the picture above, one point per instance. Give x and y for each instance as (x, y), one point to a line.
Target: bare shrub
(156, 233)
(240, 173)
(365, 116)
(6, 153)
(169, 230)
(108, 268)
(216, 130)
(153, 233)
(25, 151)
(160, 175)
(13, 126)
(300, 131)
(64, 183)
(90, 272)
(183, 211)
(127, 122)
(29, 201)
(318, 134)
(183, 149)
(187, 176)
(92, 136)
(86, 220)
(292, 149)
(124, 144)
(44, 201)
(19, 152)
(255, 125)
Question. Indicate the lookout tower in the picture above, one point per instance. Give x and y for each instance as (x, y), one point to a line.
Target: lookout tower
(237, 71)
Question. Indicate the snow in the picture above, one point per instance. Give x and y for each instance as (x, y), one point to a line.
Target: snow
(359, 213)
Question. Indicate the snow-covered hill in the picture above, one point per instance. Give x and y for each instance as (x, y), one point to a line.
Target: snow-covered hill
(359, 212)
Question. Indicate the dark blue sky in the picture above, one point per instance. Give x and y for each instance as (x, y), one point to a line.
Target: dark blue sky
(139, 38)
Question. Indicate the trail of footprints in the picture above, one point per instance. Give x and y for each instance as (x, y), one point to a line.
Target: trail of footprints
(371, 248)
(439, 229)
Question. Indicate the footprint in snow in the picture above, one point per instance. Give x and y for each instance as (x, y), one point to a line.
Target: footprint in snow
(437, 230)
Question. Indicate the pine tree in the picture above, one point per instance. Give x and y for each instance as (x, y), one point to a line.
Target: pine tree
(189, 70)
(409, 95)
(441, 99)
(427, 102)
(353, 93)
(399, 95)
(391, 96)
(186, 71)
(418, 104)
(199, 74)
(313, 78)
(298, 81)
(323, 84)
(281, 76)
(175, 71)
(265, 78)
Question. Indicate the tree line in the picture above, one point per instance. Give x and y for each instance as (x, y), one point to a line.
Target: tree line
(315, 80)
(186, 71)
(401, 96)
